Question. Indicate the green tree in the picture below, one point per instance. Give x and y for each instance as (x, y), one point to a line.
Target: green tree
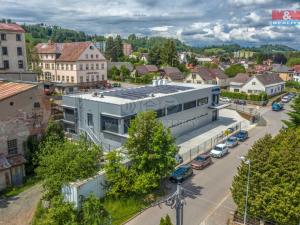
(169, 53)
(293, 61)
(124, 72)
(294, 114)
(155, 56)
(118, 47)
(93, 211)
(110, 53)
(233, 70)
(151, 148)
(274, 190)
(63, 162)
(113, 73)
(165, 221)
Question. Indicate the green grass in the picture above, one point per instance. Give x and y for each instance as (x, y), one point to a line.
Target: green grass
(39, 214)
(13, 191)
(124, 208)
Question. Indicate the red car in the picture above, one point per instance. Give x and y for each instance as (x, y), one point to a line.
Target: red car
(201, 161)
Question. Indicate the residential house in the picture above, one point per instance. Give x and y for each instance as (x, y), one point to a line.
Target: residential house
(172, 74)
(24, 112)
(72, 63)
(144, 57)
(296, 75)
(203, 75)
(145, 69)
(285, 72)
(270, 83)
(127, 49)
(238, 82)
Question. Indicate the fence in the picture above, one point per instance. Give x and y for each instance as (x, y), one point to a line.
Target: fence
(207, 145)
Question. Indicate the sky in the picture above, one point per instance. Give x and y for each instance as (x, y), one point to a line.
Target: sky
(195, 22)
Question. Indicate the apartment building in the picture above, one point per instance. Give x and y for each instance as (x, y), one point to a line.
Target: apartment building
(12, 49)
(105, 116)
(71, 63)
(25, 111)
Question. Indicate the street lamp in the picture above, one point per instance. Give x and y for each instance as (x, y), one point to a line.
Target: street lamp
(248, 162)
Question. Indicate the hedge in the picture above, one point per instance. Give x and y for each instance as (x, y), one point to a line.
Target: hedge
(244, 96)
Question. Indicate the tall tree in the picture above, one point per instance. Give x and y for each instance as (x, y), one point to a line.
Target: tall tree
(110, 53)
(169, 53)
(294, 114)
(118, 47)
(155, 56)
(233, 70)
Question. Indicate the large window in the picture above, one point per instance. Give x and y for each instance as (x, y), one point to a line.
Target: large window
(174, 109)
(189, 105)
(110, 124)
(3, 37)
(4, 51)
(202, 101)
(12, 146)
(127, 123)
(19, 51)
(90, 120)
(6, 64)
(20, 64)
(18, 37)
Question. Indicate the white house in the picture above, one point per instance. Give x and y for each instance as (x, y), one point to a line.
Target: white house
(269, 83)
(238, 82)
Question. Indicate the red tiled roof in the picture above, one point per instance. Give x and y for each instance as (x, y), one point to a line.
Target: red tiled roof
(69, 52)
(11, 27)
(297, 68)
(9, 89)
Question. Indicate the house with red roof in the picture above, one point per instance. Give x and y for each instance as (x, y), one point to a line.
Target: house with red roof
(296, 75)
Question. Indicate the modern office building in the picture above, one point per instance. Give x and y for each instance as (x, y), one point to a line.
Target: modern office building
(12, 48)
(105, 116)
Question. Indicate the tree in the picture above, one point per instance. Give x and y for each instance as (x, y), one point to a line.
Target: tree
(118, 47)
(63, 162)
(93, 212)
(279, 58)
(293, 61)
(274, 191)
(113, 73)
(294, 114)
(110, 53)
(165, 221)
(169, 53)
(155, 56)
(124, 72)
(150, 147)
(233, 70)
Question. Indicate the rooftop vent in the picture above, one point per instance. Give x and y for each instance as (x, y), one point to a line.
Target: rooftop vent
(95, 94)
(101, 95)
(154, 82)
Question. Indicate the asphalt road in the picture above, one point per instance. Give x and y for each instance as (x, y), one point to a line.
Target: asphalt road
(209, 201)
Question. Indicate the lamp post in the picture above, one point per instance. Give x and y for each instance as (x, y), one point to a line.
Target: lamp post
(248, 162)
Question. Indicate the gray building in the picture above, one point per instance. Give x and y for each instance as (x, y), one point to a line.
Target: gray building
(105, 116)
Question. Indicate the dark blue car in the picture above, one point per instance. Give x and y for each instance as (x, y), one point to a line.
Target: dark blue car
(181, 173)
(242, 135)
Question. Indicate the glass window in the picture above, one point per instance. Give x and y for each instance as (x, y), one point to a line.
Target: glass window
(102, 66)
(90, 120)
(97, 66)
(92, 66)
(18, 37)
(97, 77)
(202, 101)
(68, 79)
(12, 146)
(20, 64)
(4, 51)
(80, 67)
(92, 56)
(110, 124)
(63, 78)
(3, 37)
(19, 51)
(174, 109)
(87, 66)
(189, 105)
(127, 123)
(160, 113)
(72, 79)
(81, 79)
(6, 64)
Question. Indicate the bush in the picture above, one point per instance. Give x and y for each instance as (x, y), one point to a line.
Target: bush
(244, 96)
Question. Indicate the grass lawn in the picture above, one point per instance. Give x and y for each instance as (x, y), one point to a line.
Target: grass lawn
(12, 191)
(124, 208)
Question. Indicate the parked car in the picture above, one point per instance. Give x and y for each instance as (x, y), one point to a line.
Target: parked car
(285, 99)
(201, 161)
(242, 135)
(277, 106)
(240, 102)
(225, 99)
(181, 173)
(178, 159)
(291, 95)
(232, 142)
(219, 151)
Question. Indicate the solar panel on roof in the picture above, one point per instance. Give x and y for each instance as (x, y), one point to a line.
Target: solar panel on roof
(144, 92)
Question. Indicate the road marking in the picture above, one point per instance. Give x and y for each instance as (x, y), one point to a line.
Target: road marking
(215, 209)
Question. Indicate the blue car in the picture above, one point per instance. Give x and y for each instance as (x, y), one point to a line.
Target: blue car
(242, 135)
(277, 106)
(181, 173)
(232, 142)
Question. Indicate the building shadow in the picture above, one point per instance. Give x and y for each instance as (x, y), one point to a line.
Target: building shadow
(4, 201)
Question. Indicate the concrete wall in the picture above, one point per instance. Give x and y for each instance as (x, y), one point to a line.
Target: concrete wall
(25, 76)
(76, 191)
(3, 175)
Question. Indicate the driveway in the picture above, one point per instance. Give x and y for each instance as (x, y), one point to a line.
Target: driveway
(19, 210)
(208, 200)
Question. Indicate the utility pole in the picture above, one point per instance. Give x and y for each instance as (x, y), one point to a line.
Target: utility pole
(176, 201)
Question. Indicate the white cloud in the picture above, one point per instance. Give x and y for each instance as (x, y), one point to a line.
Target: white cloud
(160, 28)
(249, 2)
(253, 17)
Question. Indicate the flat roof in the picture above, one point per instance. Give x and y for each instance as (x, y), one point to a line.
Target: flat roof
(9, 89)
(134, 94)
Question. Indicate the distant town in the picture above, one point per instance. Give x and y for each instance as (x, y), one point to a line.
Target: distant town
(146, 130)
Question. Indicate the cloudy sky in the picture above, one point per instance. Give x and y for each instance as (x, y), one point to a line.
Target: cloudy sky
(196, 22)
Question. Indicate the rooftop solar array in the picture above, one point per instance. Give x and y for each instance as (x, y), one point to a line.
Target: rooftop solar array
(144, 92)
